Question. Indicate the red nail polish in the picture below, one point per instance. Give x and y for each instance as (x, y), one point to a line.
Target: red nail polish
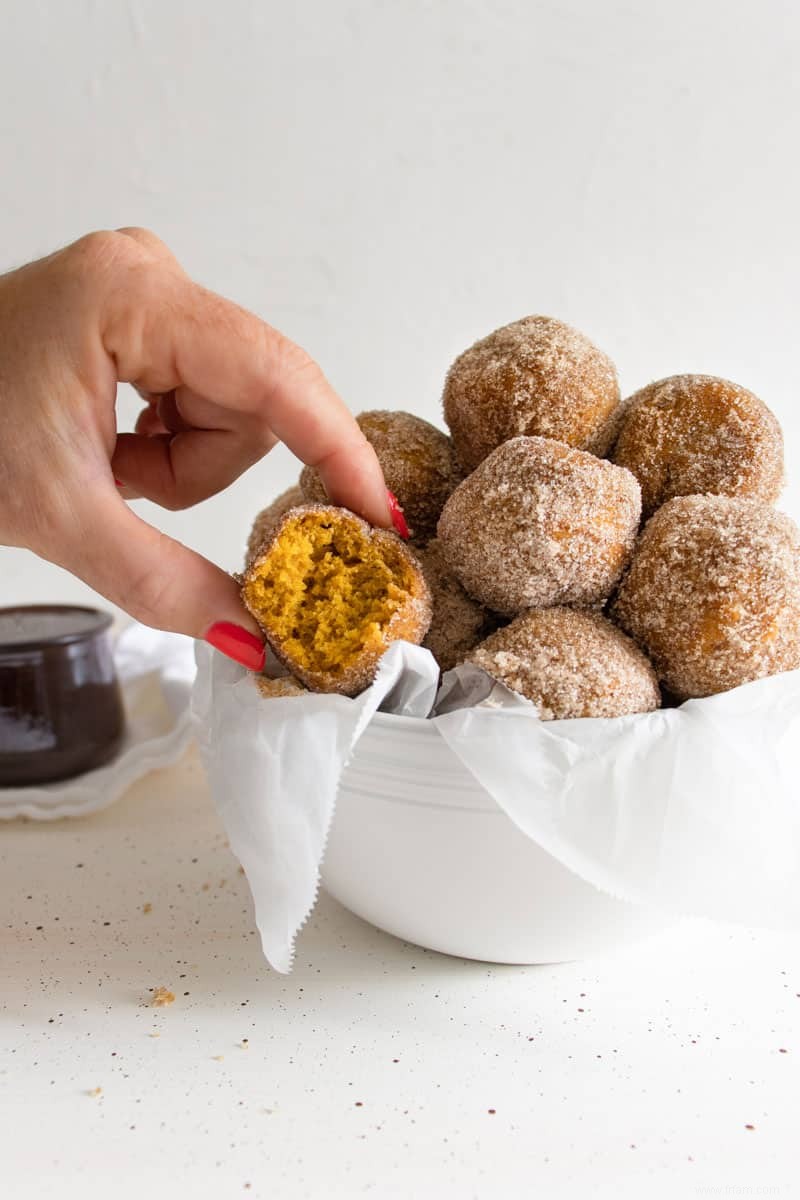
(398, 520)
(119, 483)
(237, 643)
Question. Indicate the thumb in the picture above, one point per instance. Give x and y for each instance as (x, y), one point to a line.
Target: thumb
(158, 580)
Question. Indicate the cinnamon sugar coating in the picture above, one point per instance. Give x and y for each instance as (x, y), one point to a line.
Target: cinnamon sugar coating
(417, 462)
(570, 663)
(539, 524)
(458, 621)
(265, 523)
(693, 434)
(713, 594)
(534, 377)
(280, 688)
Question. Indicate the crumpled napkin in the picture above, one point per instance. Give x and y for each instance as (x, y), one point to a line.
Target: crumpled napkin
(693, 810)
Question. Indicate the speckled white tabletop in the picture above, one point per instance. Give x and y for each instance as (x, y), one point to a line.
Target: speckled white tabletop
(375, 1068)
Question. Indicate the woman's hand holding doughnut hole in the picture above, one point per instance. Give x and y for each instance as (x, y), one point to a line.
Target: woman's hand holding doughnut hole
(220, 387)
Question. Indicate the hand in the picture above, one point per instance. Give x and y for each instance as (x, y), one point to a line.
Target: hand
(222, 388)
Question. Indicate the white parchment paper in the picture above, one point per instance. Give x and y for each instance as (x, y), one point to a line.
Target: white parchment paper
(693, 810)
(274, 767)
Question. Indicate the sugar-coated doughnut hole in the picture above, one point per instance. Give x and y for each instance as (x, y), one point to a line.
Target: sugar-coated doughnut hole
(417, 462)
(570, 663)
(458, 622)
(713, 594)
(694, 434)
(281, 688)
(534, 377)
(539, 523)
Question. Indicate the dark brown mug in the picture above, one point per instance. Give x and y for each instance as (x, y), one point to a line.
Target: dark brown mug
(61, 710)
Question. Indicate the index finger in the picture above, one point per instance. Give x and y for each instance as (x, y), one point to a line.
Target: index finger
(163, 331)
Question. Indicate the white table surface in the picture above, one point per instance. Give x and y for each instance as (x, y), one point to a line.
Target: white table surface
(376, 1068)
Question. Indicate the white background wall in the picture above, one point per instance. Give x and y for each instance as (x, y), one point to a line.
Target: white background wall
(388, 181)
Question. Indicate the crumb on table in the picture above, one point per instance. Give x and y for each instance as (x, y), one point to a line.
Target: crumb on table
(162, 996)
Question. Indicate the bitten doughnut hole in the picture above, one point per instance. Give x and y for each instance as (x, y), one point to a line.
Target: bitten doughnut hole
(267, 520)
(331, 594)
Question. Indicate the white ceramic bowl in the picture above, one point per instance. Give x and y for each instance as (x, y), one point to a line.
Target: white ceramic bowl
(419, 849)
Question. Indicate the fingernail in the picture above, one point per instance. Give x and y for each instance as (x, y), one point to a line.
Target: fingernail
(119, 483)
(398, 520)
(237, 643)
